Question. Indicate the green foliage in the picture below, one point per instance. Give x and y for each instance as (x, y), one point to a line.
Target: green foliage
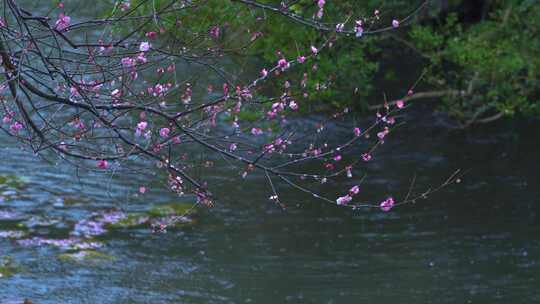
(344, 72)
(495, 62)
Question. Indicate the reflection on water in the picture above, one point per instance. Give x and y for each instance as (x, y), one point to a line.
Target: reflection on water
(472, 243)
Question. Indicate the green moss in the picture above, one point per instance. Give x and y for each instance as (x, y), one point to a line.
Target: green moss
(173, 209)
(73, 200)
(12, 181)
(174, 222)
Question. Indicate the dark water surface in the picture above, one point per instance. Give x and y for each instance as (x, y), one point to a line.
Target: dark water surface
(475, 242)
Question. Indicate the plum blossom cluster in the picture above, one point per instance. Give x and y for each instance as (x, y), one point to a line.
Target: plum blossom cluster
(346, 199)
(136, 94)
(63, 22)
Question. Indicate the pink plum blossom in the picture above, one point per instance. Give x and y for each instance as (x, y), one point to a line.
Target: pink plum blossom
(395, 23)
(116, 93)
(382, 134)
(142, 125)
(127, 62)
(366, 157)
(400, 104)
(354, 190)
(144, 46)
(16, 127)
(102, 164)
(293, 105)
(344, 200)
(283, 64)
(348, 169)
(124, 5)
(214, 32)
(387, 204)
(357, 132)
(141, 58)
(164, 132)
(63, 22)
(320, 13)
(358, 29)
(256, 131)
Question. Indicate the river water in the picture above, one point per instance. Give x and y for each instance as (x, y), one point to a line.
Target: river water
(474, 242)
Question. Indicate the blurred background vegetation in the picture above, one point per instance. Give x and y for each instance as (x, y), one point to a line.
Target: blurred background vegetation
(479, 59)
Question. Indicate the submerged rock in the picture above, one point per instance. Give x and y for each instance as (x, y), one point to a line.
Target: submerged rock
(85, 257)
(66, 244)
(10, 187)
(175, 215)
(40, 221)
(12, 181)
(70, 201)
(7, 267)
(133, 220)
(95, 226)
(174, 209)
(12, 234)
(174, 221)
(89, 228)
